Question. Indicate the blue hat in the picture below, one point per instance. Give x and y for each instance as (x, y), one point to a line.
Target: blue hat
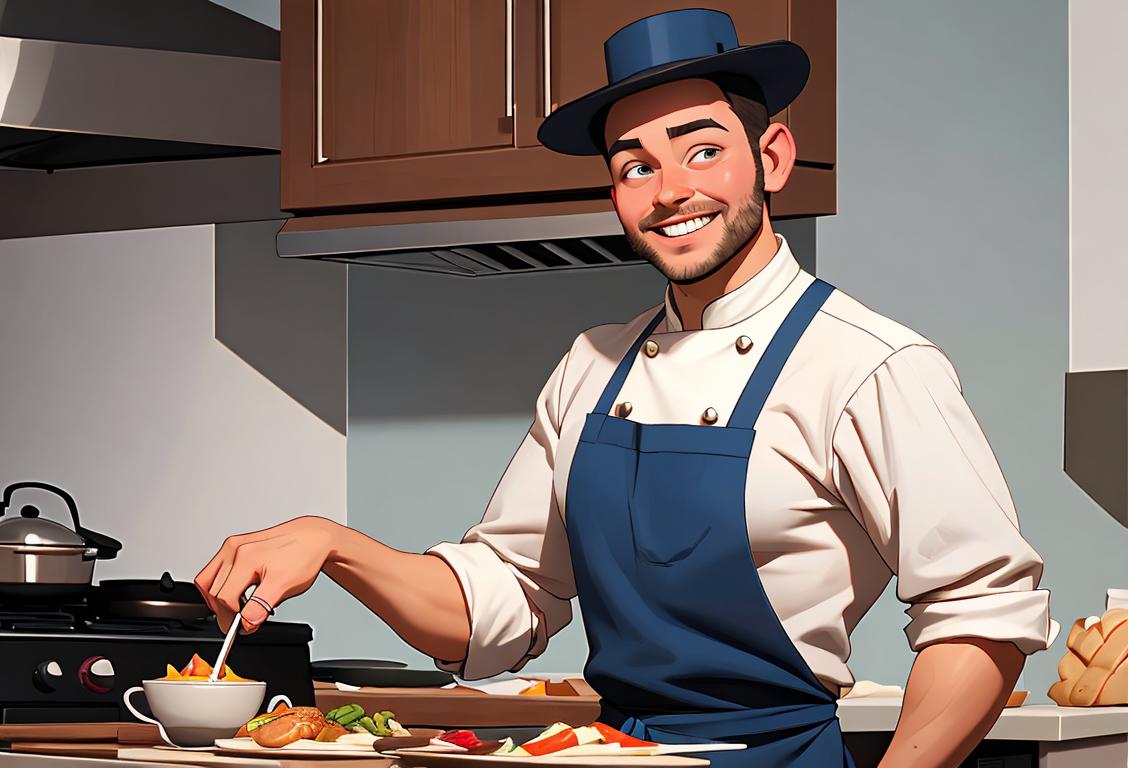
(675, 45)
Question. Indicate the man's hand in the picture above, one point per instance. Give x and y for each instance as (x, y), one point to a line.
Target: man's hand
(283, 561)
(418, 596)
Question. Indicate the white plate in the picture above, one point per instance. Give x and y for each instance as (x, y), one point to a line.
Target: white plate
(245, 745)
(609, 754)
(424, 759)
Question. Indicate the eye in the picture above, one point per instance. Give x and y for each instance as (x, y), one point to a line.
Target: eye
(638, 171)
(708, 153)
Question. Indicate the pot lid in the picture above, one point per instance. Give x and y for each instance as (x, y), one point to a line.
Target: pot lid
(30, 528)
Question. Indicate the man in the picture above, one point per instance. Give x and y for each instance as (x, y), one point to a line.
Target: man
(729, 480)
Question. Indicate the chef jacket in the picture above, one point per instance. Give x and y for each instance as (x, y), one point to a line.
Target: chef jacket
(867, 464)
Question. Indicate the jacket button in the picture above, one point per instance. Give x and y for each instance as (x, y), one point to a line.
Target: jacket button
(710, 416)
(624, 409)
(743, 344)
(650, 348)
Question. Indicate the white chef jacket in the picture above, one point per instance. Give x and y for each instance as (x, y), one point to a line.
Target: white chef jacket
(867, 464)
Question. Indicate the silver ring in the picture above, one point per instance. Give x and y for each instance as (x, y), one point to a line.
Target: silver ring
(263, 603)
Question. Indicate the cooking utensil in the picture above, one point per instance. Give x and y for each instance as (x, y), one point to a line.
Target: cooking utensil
(378, 673)
(42, 560)
(162, 599)
(229, 638)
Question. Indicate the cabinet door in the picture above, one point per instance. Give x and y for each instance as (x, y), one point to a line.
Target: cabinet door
(403, 102)
(411, 78)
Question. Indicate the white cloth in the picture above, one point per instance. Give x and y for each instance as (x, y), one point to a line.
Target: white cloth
(867, 464)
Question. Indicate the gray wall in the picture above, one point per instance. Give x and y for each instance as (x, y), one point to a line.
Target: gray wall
(953, 151)
(113, 385)
(953, 218)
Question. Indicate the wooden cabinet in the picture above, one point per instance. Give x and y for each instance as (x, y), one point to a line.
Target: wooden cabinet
(393, 104)
(388, 93)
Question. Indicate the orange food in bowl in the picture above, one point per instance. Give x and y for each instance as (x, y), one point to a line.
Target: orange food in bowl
(536, 689)
(198, 670)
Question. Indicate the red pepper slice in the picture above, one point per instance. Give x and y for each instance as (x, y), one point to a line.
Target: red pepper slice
(611, 736)
(462, 738)
(554, 743)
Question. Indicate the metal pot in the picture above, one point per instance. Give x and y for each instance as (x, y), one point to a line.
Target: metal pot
(44, 561)
(163, 599)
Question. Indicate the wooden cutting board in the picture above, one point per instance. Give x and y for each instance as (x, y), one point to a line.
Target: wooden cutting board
(126, 733)
(104, 749)
(176, 757)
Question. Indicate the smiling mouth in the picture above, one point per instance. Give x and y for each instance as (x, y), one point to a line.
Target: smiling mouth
(682, 228)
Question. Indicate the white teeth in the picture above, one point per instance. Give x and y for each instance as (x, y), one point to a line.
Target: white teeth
(685, 227)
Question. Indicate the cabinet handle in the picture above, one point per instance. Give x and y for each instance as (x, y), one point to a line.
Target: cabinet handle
(509, 58)
(547, 57)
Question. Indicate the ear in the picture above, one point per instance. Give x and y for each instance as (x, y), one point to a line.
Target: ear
(614, 202)
(777, 148)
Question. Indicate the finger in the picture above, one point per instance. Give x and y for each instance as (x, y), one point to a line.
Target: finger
(223, 618)
(218, 567)
(270, 591)
(244, 572)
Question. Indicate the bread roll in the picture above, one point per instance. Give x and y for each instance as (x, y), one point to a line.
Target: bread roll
(1094, 670)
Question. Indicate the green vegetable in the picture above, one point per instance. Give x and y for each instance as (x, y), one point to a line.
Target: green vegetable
(367, 724)
(346, 715)
(258, 722)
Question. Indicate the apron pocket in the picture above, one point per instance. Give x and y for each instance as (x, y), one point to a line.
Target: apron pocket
(678, 496)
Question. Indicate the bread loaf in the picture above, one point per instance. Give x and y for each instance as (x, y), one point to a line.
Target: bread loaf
(1094, 670)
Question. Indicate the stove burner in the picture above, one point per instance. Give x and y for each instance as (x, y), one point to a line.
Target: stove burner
(31, 621)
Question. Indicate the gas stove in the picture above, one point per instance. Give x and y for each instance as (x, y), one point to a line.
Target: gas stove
(65, 665)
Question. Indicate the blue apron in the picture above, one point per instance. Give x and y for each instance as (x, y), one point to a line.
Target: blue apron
(684, 645)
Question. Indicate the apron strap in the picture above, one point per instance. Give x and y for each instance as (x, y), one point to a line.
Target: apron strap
(611, 391)
(760, 384)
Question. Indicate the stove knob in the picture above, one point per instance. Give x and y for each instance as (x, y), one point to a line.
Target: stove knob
(47, 676)
(96, 674)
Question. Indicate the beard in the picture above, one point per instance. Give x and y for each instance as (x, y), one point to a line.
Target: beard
(738, 231)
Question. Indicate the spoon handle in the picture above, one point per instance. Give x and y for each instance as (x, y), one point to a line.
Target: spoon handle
(225, 649)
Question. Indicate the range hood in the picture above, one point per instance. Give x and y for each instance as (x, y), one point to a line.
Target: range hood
(478, 247)
(103, 82)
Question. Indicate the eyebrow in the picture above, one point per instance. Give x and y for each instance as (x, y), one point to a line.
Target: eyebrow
(695, 125)
(623, 144)
(672, 132)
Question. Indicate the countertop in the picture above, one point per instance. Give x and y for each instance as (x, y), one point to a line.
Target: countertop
(1038, 722)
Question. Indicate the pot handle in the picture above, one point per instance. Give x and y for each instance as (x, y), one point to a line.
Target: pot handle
(11, 490)
(107, 547)
(145, 718)
(37, 549)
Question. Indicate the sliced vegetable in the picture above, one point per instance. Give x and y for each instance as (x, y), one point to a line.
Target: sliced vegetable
(461, 738)
(555, 743)
(612, 736)
(260, 721)
(370, 725)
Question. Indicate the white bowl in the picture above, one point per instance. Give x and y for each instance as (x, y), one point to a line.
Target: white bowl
(196, 713)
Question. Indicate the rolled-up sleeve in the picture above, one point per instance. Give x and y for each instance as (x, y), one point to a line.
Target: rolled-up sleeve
(514, 567)
(915, 469)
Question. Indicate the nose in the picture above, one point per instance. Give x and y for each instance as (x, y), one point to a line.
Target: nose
(673, 190)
